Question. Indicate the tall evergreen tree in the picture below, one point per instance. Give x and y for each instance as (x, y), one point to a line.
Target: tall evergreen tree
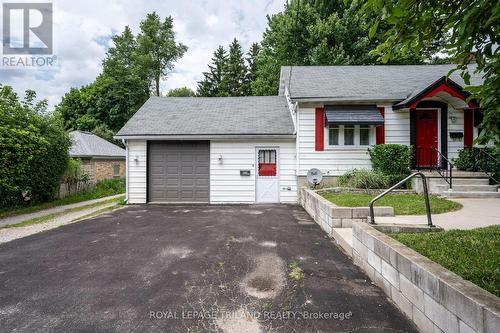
(214, 80)
(252, 67)
(235, 78)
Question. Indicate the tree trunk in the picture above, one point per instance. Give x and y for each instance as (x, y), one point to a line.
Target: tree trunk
(157, 79)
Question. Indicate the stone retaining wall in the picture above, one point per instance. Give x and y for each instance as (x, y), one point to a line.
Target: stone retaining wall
(330, 216)
(432, 296)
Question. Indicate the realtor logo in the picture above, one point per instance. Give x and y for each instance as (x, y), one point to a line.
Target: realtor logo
(27, 28)
(27, 36)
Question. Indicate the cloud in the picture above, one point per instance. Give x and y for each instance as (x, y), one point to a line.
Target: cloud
(82, 32)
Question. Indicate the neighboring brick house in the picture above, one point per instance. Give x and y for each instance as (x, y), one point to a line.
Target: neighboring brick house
(100, 158)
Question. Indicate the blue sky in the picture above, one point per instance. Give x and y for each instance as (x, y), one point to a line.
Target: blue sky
(82, 31)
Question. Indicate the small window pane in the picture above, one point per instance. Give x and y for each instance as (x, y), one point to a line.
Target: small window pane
(267, 163)
(348, 135)
(333, 136)
(116, 170)
(364, 135)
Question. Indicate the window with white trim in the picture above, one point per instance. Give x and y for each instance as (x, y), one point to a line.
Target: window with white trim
(350, 135)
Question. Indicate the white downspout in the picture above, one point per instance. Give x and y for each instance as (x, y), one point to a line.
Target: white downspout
(294, 111)
(125, 143)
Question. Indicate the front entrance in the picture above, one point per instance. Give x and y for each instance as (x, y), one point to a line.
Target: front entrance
(267, 177)
(426, 143)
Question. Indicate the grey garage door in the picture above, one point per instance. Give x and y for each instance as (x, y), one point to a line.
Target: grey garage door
(178, 171)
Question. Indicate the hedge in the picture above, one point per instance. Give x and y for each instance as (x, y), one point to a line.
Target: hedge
(34, 149)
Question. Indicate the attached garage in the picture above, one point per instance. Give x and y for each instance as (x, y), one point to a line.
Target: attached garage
(178, 171)
(211, 149)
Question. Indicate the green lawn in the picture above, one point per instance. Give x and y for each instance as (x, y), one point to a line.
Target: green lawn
(102, 189)
(404, 204)
(472, 254)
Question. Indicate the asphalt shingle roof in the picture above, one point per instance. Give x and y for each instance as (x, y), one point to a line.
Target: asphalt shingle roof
(85, 144)
(358, 83)
(253, 115)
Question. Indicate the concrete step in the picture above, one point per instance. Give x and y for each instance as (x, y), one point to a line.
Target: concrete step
(470, 181)
(471, 194)
(456, 173)
(469, 188)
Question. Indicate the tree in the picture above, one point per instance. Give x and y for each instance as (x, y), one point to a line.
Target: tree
(181, 92)
(125, 84)
(474, 34)
(106, 104)
(213, 80)
(317, 32)
(157, 48)
(34, 148)
(251, 60)
(235, 79)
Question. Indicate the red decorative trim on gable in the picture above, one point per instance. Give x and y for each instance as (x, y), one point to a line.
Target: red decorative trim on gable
(444, 88)
(319, 129)
(468, 127)
(380, 130)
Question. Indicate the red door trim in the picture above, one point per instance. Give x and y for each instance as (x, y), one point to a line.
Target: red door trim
(380, 130)
(468, 127)
(319, 129)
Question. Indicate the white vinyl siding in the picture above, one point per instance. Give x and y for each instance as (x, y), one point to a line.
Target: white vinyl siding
(136, 173)
(397, 126)
(458, 126)
(226, 183)
(333, 161)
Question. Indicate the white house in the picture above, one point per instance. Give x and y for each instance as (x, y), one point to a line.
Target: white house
(259, 149)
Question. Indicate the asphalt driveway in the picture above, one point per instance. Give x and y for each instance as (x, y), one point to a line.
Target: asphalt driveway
(200, 268)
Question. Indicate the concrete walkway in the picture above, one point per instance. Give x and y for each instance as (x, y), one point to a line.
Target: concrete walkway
(9, 234)
(23, 217)
(476, 213)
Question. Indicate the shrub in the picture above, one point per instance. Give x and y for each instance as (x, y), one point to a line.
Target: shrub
(364, 179)
(391, 159)
(34, 149)
(474, 160)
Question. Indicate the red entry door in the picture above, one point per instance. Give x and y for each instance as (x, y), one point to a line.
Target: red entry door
(427, 138)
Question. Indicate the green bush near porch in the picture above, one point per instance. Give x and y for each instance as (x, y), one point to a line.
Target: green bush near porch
(472, 254)
(404, 204)
(471, 159)
(392, 159)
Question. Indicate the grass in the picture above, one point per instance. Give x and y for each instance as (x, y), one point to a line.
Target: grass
(472, 254)
(102, 189)
(296, 273)
(49, 217)
(404, 204)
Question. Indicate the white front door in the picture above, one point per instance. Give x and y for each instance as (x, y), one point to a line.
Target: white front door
(268, 180)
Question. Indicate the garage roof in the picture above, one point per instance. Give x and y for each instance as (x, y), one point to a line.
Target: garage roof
(210, 116)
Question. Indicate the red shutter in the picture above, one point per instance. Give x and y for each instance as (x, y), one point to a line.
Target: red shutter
(380, 130)
(468, 127)
(320, 129)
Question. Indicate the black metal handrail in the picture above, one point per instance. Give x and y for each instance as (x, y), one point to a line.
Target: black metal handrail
(426, 195)
(485, 165)
(432, 159)
(445, 168)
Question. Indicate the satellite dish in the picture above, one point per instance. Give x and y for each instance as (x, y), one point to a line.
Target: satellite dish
(314, 176)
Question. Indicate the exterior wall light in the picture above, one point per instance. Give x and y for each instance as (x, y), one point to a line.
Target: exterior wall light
(220, 159)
